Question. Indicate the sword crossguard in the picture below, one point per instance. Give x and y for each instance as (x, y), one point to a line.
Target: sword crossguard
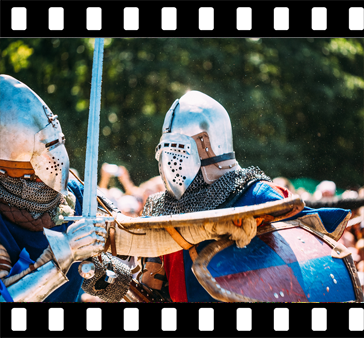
(92, 219)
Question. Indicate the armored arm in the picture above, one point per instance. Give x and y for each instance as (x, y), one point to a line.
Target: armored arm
(37, 285)
(81, 240)
(155, 242)
(158, 242)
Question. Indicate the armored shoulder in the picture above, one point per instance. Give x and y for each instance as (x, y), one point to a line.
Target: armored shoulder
(154, 204)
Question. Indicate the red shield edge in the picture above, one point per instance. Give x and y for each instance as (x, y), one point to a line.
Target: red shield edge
(283, 263)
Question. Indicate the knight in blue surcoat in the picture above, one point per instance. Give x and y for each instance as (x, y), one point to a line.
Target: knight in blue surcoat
(35, 194)
(197, 163)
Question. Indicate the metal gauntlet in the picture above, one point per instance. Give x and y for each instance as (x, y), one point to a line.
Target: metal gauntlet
(80, 241)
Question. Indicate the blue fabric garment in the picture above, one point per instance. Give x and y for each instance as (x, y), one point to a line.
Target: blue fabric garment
(22, 264)
(259, 192)
(15, 239)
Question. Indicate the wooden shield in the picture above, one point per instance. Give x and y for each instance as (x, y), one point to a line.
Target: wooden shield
(283, 263)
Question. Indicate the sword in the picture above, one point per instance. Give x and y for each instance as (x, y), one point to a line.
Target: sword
(89, 205)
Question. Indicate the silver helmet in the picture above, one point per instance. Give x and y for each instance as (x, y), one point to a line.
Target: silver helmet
(31, 133)
(196, 134)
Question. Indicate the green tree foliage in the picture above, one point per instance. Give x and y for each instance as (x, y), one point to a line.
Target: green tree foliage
(296, 105)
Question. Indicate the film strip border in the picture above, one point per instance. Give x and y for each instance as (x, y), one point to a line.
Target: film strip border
(181, 18)
(161, 320)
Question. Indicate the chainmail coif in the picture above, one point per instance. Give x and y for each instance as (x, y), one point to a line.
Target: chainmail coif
(35, 197)
(201, 196)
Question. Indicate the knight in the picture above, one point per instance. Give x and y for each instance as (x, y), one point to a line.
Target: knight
(35, 194)
(197, 163)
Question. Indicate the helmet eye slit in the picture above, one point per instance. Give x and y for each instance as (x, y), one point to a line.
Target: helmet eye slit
(52, 143)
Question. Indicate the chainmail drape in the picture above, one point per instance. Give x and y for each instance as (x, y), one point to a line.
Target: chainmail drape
(201, 196)
(35, 197)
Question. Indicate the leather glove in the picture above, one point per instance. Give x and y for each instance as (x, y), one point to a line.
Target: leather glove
(242, 235)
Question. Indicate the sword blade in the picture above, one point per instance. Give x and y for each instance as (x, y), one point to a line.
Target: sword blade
(89, 206)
